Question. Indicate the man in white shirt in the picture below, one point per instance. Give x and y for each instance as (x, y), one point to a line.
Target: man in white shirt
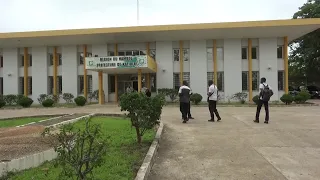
(264, 97)
(212, 101)
(184, 98)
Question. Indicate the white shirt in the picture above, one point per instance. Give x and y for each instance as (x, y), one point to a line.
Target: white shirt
(214, 90)
(261, 87)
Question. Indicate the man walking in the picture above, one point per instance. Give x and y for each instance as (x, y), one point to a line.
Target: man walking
(189, 109)
(264, 97)
(212, 101)
(184, 97)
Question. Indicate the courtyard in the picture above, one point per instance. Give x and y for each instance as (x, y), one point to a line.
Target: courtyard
(236, 148)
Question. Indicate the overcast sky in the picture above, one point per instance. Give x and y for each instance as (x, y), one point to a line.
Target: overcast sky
(31, 15)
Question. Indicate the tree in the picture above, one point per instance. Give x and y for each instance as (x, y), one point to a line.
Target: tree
(144, 112)
(79, 150)
(304, 58)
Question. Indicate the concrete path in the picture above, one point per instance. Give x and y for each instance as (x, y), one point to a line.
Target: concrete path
(237, 148)
(234, 149)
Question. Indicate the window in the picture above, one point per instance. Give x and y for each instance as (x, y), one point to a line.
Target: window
(220, 79)
(280, 80)
(245, 79)
(21, 85)
(50, 58)
(129, 53)
(280, 52)
(209, 54)
(112, 82)
(220, 83)
(30, 60)
(153, 53)
(176, 54)
(153, 82)
(81, 84)
(22, 61)
(1, 85)
(1, 61)
(244, 53)
(121, 53)
(220, 53)
(29, 85)
(255, 80)
(59, 59)
(59, 84)
(176, 81)
(110, 53)
(81, 58)
(50, 84)
(254, 53)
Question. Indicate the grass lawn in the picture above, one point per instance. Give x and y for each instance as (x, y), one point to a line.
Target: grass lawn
(123, 160)
(20, 121)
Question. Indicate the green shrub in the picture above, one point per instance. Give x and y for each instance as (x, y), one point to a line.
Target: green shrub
(2, 103)
(19, 96)
(55, 98)
(47, 103)
(80, 100)
(169, 92)
(42, 97)
(305, 95)
(240, 96)
(196, 98)
(255, 99)
(287, 99)
(25, 101)
(298, 99)
(144, 112)
(68, 97)
(10, 99)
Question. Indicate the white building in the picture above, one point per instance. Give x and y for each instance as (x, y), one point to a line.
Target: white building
(236, 55)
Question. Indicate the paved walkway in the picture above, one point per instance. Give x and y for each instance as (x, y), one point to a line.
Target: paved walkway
(236, 148)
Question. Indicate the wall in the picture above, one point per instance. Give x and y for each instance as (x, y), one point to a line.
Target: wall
(10, 71)
(268, 58)
(198, 67)
(40, 77)
(232, 67)
(165, 64)
(69, 70)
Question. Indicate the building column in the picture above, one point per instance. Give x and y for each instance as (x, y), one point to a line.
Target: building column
(25, 68)
(286, 65)
(148, 81)
(139, 80)
(148, 74)
(101, 97)
(116, 76)
(55, 71)
(181, 61)
(215, 62)
(250, 68)
(85, 79)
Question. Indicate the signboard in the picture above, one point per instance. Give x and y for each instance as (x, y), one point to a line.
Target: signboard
(111, 62)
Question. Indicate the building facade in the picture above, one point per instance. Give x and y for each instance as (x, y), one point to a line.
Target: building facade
(236, 64)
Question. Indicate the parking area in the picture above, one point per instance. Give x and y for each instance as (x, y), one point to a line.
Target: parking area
(236, 148)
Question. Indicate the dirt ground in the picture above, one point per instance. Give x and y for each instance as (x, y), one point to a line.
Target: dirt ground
(22, 141)
(16, 142)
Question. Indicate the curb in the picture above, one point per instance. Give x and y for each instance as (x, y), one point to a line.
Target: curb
(148, 161)
(41, 121)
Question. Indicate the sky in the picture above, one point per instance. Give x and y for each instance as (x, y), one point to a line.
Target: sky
(34, 15)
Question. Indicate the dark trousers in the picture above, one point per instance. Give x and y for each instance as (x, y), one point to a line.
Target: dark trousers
(184, 108)
(266, 107)
(213, 109)
(189, 112)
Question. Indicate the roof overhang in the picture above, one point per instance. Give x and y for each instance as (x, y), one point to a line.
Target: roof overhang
(293, 29)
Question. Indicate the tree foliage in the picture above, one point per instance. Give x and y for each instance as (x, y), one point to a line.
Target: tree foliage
(304, 58)
(144, 112)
